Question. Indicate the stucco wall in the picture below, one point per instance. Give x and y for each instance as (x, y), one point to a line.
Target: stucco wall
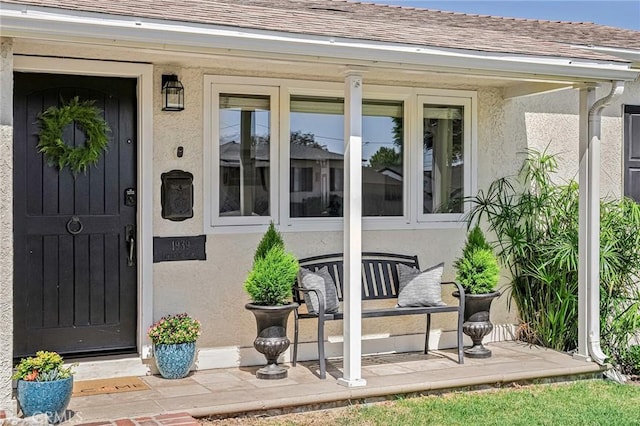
(550, 121)
(212, 290)
(6, 222)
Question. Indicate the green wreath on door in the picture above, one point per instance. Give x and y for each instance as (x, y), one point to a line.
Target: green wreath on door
(89, 119)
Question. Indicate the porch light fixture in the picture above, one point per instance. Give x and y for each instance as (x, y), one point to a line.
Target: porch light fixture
(172, 93)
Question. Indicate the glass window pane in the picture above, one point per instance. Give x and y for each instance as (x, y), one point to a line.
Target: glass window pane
(244, 155)
(316, 156)
(382, 158)
(443, 154)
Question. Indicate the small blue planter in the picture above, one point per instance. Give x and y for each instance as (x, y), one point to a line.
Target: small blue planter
(174, 361)
(50, 398)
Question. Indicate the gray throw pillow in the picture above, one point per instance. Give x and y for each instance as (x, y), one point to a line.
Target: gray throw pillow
(319, 280)
(420, 288)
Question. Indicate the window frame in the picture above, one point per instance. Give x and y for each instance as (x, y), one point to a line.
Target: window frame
(212, 140)
(280, 91)
(468, 157)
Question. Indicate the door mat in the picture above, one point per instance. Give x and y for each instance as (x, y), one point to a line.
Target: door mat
(102, 386)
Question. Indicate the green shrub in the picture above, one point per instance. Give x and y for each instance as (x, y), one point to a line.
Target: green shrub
(271, 280)
(44, 367)
(478, 271)
(630, 360)
(270, 239)
(536, 225)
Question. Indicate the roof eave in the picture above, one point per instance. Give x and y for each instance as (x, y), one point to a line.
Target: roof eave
(67, 25)
(630, 55)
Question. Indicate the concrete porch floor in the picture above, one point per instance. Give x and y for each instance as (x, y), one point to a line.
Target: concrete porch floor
(234, 391)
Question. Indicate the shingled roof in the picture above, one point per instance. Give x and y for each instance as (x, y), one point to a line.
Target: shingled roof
(374, 22)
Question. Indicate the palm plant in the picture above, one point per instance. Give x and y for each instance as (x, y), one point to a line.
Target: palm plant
(536, 226)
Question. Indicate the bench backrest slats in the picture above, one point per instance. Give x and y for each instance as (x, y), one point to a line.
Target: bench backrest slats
(379, 273)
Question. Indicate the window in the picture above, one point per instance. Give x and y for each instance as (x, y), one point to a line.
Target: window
(316, 142)
(276, 152)
(382, 158)
(445, 142)
(245, 159)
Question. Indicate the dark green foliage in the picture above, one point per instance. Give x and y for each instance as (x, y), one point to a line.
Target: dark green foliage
(477, 269)
(630, 360)
(88, 118)
(270, 239)
(536, 225)
(385, 157)
(476, 241)
(272, 277)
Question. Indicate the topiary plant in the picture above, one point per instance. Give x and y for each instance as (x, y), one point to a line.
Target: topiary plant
(270, 239)
(477, 269)
(272, 277)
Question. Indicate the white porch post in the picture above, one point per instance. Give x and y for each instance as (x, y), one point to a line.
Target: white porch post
(352, 345)
(587, 96)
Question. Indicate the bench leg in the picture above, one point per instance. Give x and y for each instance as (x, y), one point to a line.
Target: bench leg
(323, 366)
(295, 340)
(460, 343)
(426, 338)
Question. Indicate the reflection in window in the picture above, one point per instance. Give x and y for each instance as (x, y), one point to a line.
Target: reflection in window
(244, 155)
(316, 156)
(382, 152)
(443, 153)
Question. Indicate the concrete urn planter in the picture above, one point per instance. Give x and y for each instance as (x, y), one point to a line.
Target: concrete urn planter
(272, 340)
(477, 322)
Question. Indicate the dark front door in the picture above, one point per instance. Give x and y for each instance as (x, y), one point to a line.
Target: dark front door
(632, 152)
(75, 288)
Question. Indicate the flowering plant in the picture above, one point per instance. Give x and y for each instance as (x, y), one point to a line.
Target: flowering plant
(174, 329)
(44, 367)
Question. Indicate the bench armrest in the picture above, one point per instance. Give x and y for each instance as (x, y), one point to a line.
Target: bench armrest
(459, 291)
(319, 294)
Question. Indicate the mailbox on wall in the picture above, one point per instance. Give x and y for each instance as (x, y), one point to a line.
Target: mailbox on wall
(177, 195)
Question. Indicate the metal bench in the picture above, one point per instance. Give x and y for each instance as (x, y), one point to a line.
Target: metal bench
(379, 281)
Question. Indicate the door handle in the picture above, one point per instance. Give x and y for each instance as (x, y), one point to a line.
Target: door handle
(130, 235)
(74, 226)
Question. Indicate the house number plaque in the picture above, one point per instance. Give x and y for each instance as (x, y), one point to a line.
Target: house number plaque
(167, 249)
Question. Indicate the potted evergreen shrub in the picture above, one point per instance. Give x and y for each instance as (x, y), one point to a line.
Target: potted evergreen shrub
(174, 344)
(44, 385)
(478, 273)
(269, 286)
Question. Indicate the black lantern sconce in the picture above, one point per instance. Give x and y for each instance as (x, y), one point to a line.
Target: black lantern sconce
(172, 93)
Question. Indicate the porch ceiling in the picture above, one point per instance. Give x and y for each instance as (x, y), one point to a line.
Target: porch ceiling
(226, 63)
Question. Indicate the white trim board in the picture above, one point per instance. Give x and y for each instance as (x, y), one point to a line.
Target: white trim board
(144, 74)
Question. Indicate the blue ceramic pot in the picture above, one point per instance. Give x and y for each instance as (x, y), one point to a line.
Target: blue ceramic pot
(50, 398)
(174, 361)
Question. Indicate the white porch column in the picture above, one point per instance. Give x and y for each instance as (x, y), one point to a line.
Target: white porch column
(587, 96)
(352, 346)
(6, 224)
